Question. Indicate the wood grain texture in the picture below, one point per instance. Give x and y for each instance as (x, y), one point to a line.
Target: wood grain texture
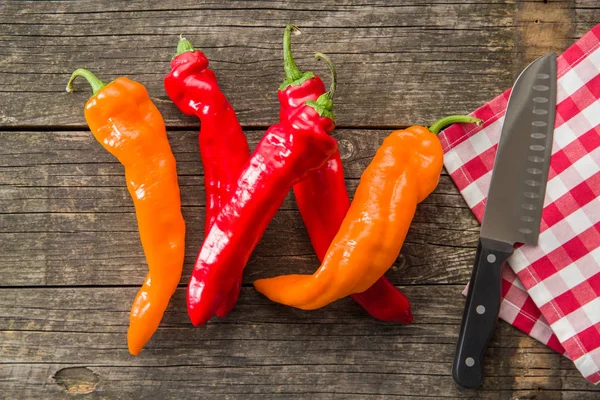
(393, 60)
(70, 257)
(261, 349)
(66, 217)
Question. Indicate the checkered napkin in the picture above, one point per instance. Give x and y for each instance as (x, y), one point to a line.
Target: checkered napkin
(552, 290)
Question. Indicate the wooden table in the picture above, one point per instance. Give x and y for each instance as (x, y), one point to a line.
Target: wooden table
(71, 261)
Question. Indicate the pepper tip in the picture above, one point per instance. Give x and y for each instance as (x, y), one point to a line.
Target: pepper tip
(184, 46)
(294, 29)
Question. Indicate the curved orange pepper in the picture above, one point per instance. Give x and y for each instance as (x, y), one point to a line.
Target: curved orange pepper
(404, 171)
(127, 124)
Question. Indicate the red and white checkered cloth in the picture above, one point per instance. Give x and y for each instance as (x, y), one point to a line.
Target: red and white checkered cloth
(552, 291)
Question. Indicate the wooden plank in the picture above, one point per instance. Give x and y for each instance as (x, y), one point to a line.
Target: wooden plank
(260, 349)
(62, 149)
(113, 257)
(66, 217)
(394, 61)
(586, 14)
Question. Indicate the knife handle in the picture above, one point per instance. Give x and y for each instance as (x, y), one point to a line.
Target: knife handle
(481, 312)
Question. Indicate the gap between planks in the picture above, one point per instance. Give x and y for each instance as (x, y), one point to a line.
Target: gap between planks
(249, 128)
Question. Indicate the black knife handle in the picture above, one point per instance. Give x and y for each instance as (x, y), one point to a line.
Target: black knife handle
(481, 312)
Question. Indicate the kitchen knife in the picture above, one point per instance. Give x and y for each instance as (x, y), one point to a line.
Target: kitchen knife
(513, 211)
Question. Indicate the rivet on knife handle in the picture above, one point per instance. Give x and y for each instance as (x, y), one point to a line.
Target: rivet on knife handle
(481, 312)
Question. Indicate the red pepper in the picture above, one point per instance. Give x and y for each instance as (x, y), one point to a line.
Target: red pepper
(193, 87)
(282, 158)
(322, 196)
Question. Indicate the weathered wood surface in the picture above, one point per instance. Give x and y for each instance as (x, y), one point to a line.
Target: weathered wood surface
(262, 350)
(394, 60)
(70, 257)
(69, 219)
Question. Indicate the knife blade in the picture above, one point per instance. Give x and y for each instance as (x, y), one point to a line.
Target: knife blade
(513, 209)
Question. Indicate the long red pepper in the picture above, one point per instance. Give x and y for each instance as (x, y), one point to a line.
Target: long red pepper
(282, 158)
(322, 196)
(293, 94)
(193, 87)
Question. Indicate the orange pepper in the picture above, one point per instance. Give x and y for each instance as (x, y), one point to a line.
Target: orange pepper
(126, 122)
(404, 171)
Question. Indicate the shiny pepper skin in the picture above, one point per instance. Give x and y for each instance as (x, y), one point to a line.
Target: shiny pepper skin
(404, 171)
(322, 196)
(295, 95)
(283, 157)
(224, 149)
(127, 124)
(193, 87)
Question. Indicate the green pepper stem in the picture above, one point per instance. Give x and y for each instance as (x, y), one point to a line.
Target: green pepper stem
(292, 72)
(333, 86)
(324, 104)
(453, 119)
(96, 83)
(183, 46)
